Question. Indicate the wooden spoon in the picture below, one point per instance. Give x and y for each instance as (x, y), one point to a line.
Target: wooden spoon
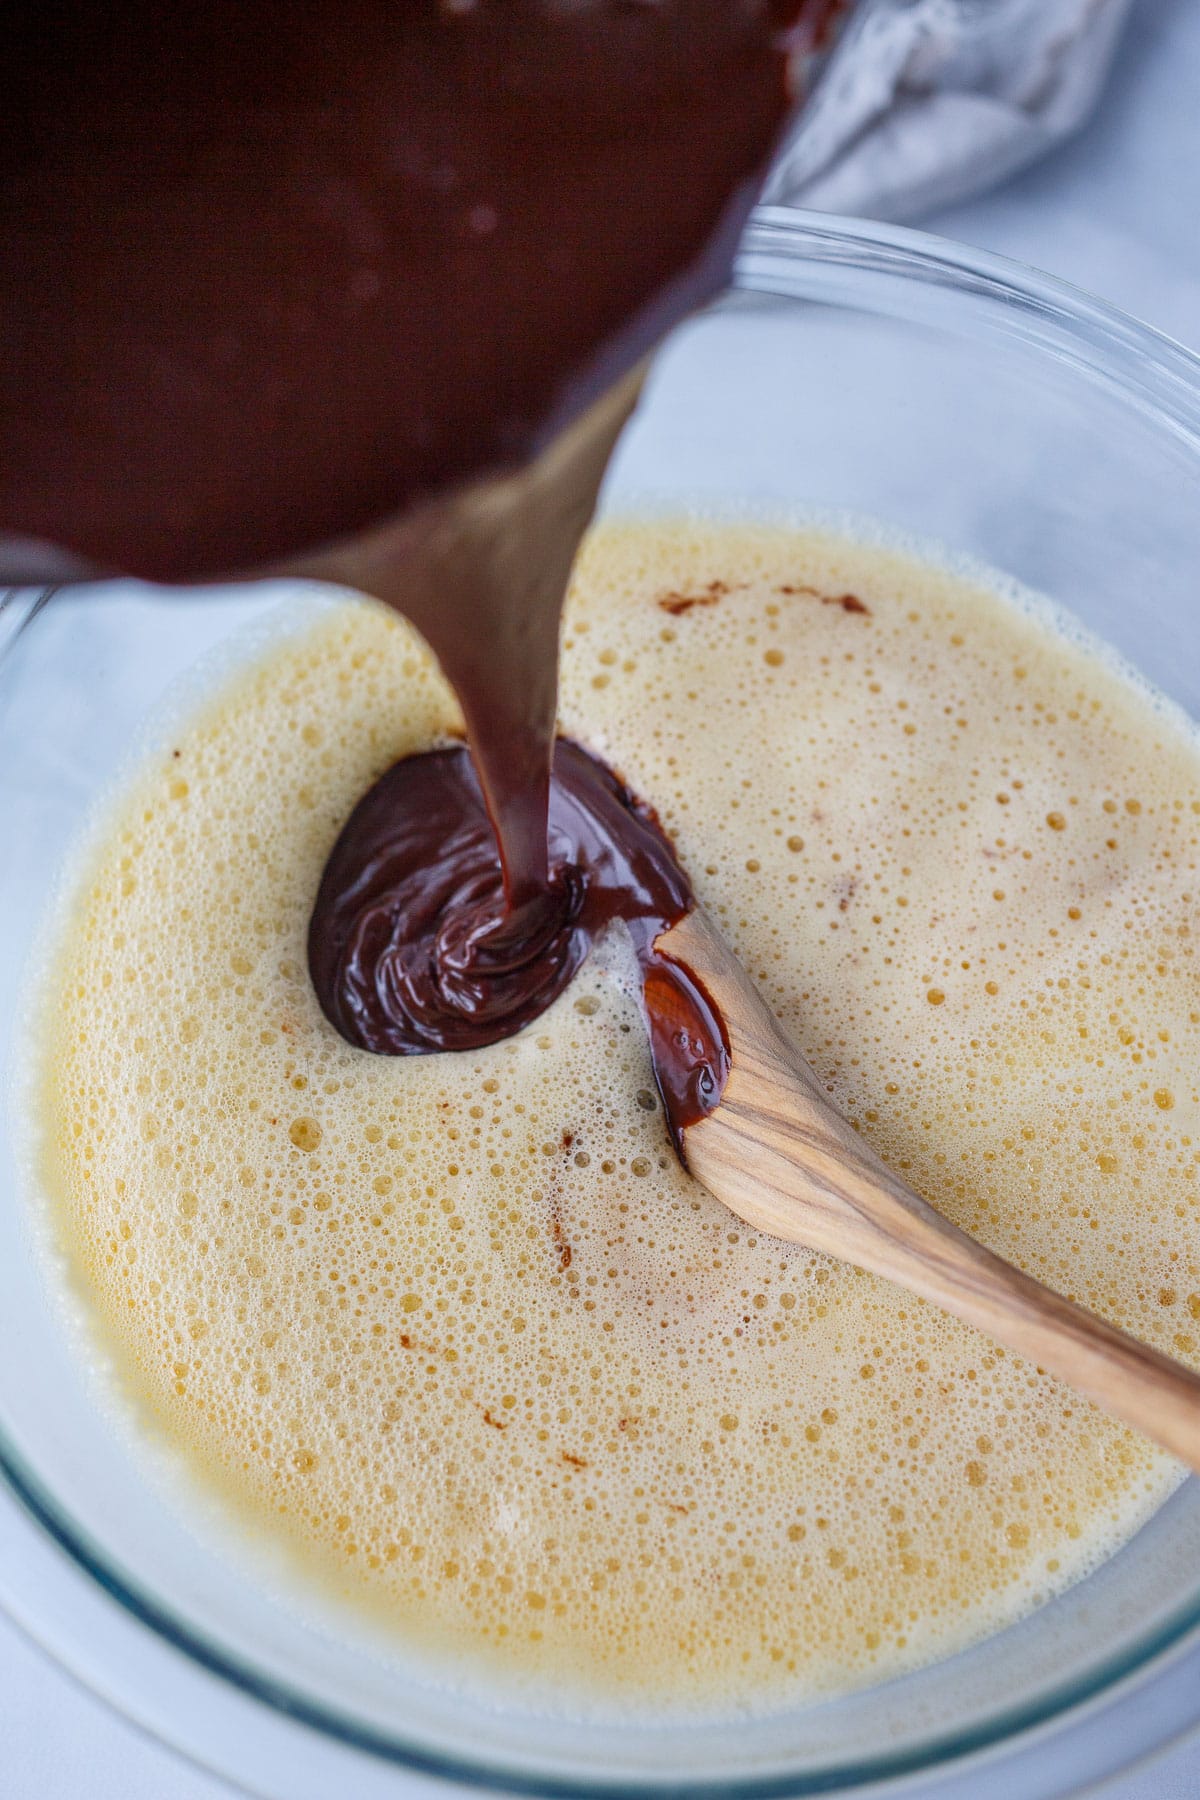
(780, 1156)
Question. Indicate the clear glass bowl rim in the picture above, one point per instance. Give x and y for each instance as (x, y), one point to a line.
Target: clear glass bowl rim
(790, 254)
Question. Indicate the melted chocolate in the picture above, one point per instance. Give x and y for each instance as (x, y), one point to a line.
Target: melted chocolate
(269, 272)
(413, 947)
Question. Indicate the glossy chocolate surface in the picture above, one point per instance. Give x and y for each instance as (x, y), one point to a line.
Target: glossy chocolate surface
(413, 947)
(269, 272)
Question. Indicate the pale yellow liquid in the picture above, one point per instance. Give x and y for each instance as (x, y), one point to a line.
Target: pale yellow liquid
(461, 1330)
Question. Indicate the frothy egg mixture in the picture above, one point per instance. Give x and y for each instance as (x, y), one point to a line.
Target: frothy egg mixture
(461, 1329)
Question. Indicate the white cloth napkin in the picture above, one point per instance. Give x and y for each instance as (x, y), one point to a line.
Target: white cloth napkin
(922, 102)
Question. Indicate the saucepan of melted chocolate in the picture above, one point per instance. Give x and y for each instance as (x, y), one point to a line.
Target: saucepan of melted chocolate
(271, 274)
(414, 946)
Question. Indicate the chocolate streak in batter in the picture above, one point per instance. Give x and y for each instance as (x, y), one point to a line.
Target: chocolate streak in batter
(413, 948)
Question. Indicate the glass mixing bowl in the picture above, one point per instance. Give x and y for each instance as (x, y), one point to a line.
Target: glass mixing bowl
(857, 370)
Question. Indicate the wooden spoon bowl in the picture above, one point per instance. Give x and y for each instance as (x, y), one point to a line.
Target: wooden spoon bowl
(781, 1157)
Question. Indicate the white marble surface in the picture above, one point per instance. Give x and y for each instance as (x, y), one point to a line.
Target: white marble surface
(1116, 211)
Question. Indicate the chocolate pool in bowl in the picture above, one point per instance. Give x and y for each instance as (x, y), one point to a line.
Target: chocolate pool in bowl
(1026, 1665)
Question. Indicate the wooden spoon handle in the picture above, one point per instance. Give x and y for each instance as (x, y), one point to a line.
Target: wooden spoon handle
(780, 1156)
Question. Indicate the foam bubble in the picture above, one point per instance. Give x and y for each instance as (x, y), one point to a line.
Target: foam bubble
(462, 1329)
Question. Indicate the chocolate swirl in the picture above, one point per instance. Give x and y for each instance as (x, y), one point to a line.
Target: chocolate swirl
(413, 948)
